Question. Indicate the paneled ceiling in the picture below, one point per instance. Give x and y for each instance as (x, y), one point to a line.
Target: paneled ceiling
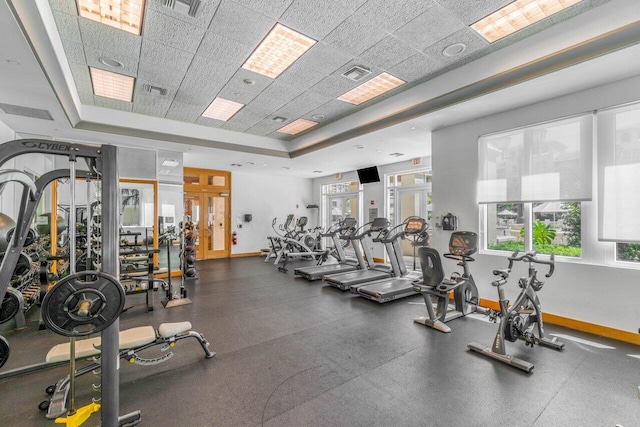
(46, 50)
(199, 58)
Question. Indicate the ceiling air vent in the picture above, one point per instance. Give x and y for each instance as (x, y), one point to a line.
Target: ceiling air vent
(17, 110)
(356, 73)
(186, 7)
(154, 90)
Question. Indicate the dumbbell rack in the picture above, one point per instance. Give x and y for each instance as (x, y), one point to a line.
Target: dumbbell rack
(136, 262)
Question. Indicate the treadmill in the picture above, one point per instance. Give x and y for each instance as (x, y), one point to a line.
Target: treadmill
(393, 288)
(340, 231)
(362, 243)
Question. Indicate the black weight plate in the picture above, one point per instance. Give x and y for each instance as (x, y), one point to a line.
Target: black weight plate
(60, 307)
(10, 306)
(4, 350)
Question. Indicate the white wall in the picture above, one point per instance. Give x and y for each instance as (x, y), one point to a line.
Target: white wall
(373, 193)
(598, 294)
(265, 197)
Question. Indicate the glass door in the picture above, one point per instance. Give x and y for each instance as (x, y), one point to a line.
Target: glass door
(412, 202)
(341, 207)
(216, 234)
(192, 211)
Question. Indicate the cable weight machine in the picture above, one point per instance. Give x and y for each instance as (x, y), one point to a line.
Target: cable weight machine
(102, 163)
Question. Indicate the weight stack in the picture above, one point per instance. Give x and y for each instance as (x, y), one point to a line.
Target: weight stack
(189, 252)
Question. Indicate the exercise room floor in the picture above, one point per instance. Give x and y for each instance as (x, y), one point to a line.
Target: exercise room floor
(298, 353)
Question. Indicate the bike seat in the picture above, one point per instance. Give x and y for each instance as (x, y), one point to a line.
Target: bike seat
(502, 273)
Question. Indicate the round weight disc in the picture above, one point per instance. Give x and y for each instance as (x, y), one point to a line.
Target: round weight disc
(10, 304)
(4, 350)
(83, 304)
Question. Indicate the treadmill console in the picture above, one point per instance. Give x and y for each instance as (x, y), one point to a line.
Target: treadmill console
(463, 243)
(348, 225)
(378, 225)
(415, 225)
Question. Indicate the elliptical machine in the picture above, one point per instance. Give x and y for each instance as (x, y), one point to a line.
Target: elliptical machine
(523, 320)
(462, 244)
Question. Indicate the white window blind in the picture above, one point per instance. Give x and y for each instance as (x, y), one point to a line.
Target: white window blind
(619, 174)
(541, 163)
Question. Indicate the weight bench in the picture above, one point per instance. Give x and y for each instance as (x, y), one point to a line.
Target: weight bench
(132, 341)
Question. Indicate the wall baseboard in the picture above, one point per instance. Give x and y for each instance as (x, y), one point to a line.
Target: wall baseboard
(579, 325)
(174, 273)
(380, 260)
(245, 254)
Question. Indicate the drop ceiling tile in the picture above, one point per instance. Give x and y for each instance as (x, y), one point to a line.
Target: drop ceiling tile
(84, 85)
(206, 121)
(428, 28)
(415, 67)
(321, 58)
(237, 126)
(467, 36)
(248, 116)
(197, 91)
(271, 8)
(333, 86)
(223, 49)
(164, 56)
(86, 97)
(314, 20)
(103, 38)
(236, 90)
(66, 6)
(240, 24)
(208, 69)
(393, 14)
(184, 112)
(332, 110)
(172, 32)
(301, 78)
(129, 63)
(112, 103)
(387, 53)
(79, 71)
(470, 13)
(353, 5)
(268, 102)
(280, 93)
(156, 108)
(164, 77)
(73, 50)
(355, 35)
(264, 127)
(67, 26)
(301, 105)
(202, 19)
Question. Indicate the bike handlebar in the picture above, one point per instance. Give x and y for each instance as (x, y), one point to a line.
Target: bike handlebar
(531, 257)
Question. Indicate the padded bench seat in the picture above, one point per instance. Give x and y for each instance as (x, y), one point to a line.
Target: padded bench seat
(129, 339)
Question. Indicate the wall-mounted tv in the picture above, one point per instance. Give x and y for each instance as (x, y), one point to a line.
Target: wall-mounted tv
(367, 175)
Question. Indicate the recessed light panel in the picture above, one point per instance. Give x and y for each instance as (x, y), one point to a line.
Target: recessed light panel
(297, 126)
(277, 51)
(122, 14)
(112, 85)
(222, 109)
(376, 86)
(518, 15)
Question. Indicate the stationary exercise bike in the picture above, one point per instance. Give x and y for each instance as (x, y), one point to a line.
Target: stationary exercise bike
(523, 320)
(462, 244)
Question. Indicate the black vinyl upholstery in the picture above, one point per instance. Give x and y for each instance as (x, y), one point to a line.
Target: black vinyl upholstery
(432, 271)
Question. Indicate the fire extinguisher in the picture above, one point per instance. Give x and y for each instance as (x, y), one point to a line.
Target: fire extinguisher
(234, 238)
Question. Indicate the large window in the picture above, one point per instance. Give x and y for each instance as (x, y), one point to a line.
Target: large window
(341, 200)
(619, 174)
(532, 181)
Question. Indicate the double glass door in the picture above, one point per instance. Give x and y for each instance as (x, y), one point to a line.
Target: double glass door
(207, 204)
(210, 215)
(413, 202)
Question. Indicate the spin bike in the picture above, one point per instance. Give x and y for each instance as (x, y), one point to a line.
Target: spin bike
(523, 320)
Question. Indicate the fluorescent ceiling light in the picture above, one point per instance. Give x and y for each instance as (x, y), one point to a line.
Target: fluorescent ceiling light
(122, 14)
(518, 15)
(370, 89)
(112, 85)
(222, 109)
(277, 51)
(170, 163)
(297, 126)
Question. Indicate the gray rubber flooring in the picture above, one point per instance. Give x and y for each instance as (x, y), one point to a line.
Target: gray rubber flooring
(298, 353)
